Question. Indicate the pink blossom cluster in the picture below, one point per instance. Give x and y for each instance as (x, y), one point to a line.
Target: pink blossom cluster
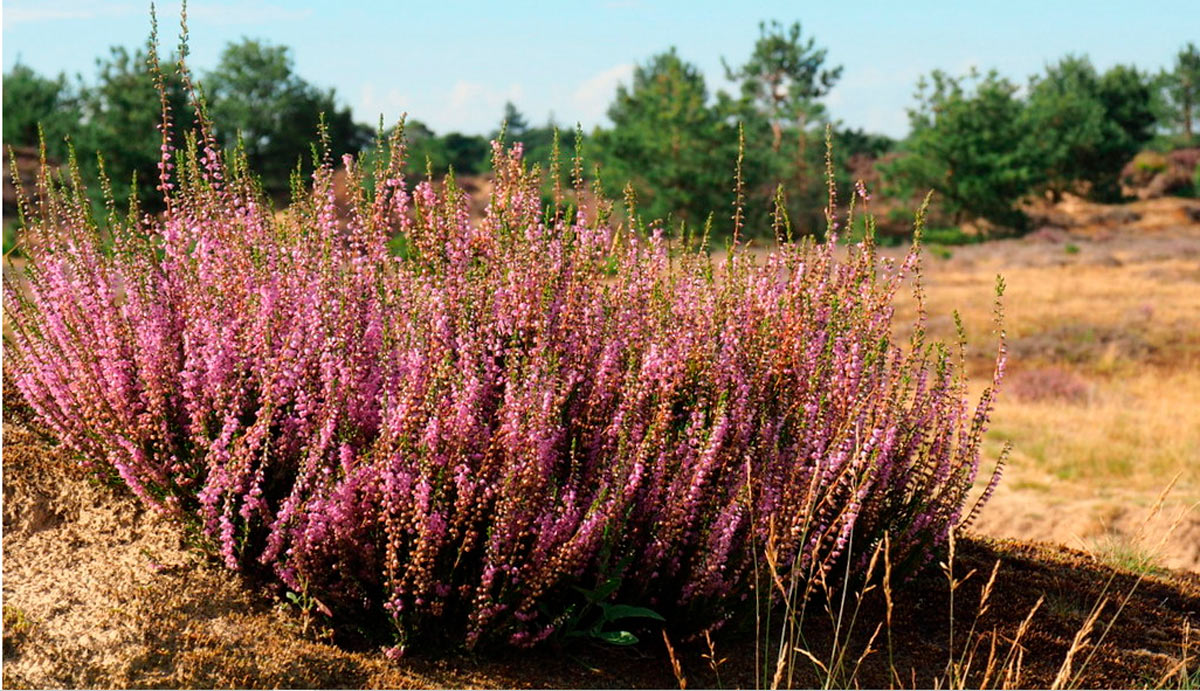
(455, 437)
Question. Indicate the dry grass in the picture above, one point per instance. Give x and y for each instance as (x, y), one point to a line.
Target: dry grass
(1131, 433)
(1102, 407)
(1105, 319)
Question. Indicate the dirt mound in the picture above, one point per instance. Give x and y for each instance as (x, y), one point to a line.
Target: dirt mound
(1081, 217)
(1151, 175)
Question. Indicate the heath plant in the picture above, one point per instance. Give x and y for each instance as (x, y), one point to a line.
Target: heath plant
(460, 439)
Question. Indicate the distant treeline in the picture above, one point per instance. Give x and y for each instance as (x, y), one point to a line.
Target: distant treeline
(978, 140)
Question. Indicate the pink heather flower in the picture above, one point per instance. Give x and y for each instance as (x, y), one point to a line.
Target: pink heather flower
(861, 189)
(394, 653)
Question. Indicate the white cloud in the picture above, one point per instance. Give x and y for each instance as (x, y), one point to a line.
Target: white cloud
(473, 94)
(592, 97)
(874, 99)
(467, 106)
(474, 106)
(390, 104)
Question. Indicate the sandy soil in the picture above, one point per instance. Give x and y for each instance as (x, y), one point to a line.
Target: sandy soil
(1109, 527)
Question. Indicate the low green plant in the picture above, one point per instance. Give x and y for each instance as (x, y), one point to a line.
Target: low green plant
(16, 622)
(308, 607)
(1150, 162)
(17, 627)
(1129, 555)
(952, 236)
(595, 618)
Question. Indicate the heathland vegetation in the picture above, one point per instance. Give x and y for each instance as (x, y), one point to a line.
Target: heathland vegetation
(563, 422)
(513, 411)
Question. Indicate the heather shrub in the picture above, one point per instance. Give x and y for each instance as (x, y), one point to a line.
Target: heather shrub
(457, 437)
(1049, 384)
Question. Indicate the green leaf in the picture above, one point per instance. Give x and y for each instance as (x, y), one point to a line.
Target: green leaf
(617, 637)
(617, 612)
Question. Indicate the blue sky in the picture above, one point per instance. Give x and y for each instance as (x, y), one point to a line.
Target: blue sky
(454, 64)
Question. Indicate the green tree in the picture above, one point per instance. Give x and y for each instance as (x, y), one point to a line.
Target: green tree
(426, 151)
(849, 142)
(668, 143)
(965, 144)
(255, 91)
(31, 100)
(467, 154)
(515, 123)
(538, 142)
(1069, 122)
(784, 78)
(781, 85)
(855, 153)
(122, 112)
(1181, 89)
(1087, 126)
(1127, 95)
